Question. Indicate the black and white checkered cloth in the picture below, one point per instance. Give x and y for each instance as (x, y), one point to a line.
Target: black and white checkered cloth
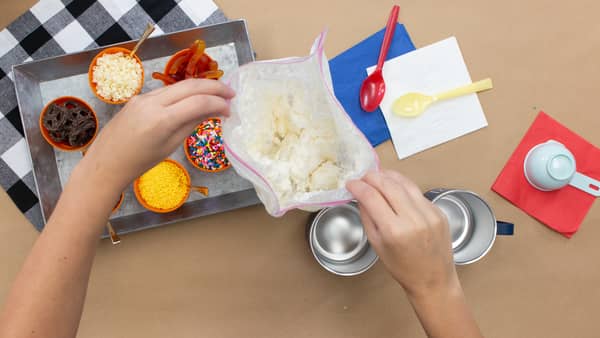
(54, 27)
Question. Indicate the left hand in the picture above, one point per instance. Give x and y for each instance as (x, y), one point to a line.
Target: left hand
(151, 126)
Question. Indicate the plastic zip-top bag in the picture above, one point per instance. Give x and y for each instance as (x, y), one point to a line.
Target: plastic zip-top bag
(290, 137)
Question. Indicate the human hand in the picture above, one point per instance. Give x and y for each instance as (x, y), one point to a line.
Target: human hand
(144, 132)
(409, 233)
(151, 126)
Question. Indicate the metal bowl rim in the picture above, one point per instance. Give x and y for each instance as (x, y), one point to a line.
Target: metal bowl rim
(337, 258)
(495, 222)
(322, 263)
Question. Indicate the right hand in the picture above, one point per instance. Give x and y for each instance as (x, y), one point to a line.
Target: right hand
(409, 233)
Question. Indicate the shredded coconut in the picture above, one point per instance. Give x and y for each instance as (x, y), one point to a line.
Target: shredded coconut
(117, 76)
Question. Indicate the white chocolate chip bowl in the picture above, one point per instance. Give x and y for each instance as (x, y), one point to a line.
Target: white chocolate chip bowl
(290, 137)
(115, 76)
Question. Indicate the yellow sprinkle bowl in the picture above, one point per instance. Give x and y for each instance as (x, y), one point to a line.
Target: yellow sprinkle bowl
(164, 188)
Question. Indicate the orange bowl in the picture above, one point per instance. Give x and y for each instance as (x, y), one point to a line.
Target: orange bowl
(189, 157)
(171, 60)
(64, 146)
(94, 86)
(138, 194)
(118, 205)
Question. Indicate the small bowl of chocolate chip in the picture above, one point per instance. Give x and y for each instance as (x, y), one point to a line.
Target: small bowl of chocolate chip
(68, 123)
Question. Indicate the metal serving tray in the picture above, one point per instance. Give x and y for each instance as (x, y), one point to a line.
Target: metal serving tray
(40, 81)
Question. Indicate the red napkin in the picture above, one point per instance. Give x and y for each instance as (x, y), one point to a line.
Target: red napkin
(562, 210)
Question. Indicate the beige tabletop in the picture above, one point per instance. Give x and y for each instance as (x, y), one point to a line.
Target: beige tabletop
(245, 274)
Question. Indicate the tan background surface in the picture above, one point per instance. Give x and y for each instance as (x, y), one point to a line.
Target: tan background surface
(245, 274)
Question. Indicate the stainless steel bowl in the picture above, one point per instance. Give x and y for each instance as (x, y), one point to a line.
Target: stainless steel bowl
(338, 241)
(473, 225)
(460, 219)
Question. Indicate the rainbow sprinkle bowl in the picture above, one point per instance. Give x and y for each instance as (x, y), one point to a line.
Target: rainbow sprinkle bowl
(204, 147)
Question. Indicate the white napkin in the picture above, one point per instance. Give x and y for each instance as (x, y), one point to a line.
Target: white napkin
(429, 70)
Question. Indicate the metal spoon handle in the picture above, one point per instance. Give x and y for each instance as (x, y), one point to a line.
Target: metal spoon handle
(586, 184)
(202, 190)
(464, 90)
(390, 28)
(147, 32)
(114, 238)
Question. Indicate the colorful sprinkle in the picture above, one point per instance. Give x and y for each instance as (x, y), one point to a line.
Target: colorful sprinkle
(205, 147)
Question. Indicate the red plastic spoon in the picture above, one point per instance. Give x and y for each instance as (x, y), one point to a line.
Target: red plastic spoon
(373, 87)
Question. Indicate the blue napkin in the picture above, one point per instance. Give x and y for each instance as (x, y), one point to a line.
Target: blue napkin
(348, 70)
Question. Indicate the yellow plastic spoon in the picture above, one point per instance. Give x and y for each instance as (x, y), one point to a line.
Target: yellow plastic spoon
(414, 104)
